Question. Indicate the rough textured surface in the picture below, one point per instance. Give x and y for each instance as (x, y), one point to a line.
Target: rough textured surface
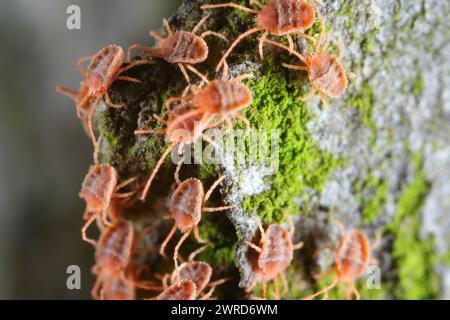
(378, 159)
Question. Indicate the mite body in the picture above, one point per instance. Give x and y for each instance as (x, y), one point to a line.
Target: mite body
(325, 71)
(278, 17)
(352, 257)
(275, 253)
(99, 187)
(181, 47)
(198, 272)
(113, 257)
(220, 98)
(186, 208)
(104, 68)
(186, 123)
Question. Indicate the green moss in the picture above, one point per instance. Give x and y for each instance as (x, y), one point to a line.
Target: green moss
(413, 255)
(372, 207)
(301, 162)
(364, 102)
(418, 86)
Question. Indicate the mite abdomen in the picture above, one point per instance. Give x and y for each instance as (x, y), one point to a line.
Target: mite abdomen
(281, 17)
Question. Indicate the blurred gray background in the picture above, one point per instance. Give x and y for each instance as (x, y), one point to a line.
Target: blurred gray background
(44, 153)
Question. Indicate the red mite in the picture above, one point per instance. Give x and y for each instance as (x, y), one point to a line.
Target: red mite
(186, 209)
(275, 253)
(186, 123)
(181, 47)
(105, 67)
(196, 271)
(220, 98)
(113, 259)
(98, 189)
(278, 17)
(325, 71)
(353, 256)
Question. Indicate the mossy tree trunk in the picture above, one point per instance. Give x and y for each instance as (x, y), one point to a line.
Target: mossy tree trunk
(379, 159)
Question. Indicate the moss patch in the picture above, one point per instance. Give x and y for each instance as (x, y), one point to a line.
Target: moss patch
(302, 164)
(413, 255)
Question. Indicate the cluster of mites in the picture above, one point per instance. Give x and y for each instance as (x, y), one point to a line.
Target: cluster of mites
(210, 103)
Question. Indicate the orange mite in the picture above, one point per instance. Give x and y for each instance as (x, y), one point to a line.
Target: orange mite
(353, 256)
(220, 98)
(181, 47)
(275, 253)
(184, 125)
(198, 272)
(113, 257)
(98, 189)
(104, 68)
(325, 71)
(278, 17)
(186, 209)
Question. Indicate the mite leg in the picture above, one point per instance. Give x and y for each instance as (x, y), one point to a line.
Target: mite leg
(323, 291)
(277, 290)
(96, 287)
(198, 73)
(238, 39)
(84, 229)
(264, 286)
(294, 67)
(290, 42)
(196, 252)
(215, 34)
(285, 283)
(256, 3)
(295, 53)
(244, 76)
(261, 45)
(167, 26)
(353, 290)
(152, 51)
(177, 170)
(166, 241)
(197, 236)
(199, 24)
(377, 242)
(177, 247)
(253, 246)
(213, 186)
(80, 63)
(155, 170)
(305, 36)
(125, 183)
(229, 5)
(183, 71)
(245, 121)
(110, 103)
(208, 295)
